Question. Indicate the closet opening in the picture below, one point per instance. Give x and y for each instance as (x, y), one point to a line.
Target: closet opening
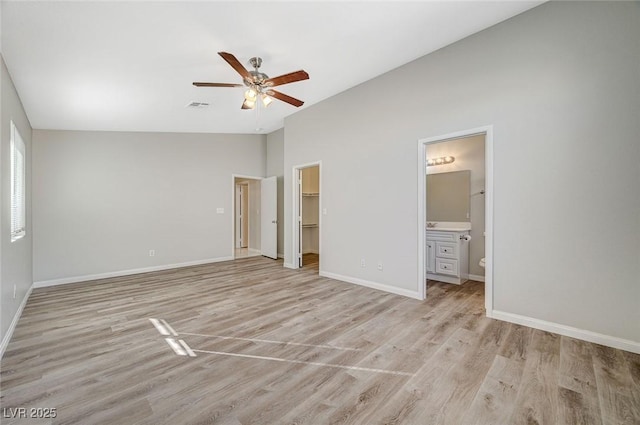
(308, 216)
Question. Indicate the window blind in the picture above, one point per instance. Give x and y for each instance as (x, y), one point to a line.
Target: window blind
(18, 185)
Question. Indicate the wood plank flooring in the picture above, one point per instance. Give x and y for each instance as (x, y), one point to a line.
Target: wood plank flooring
(271, 345)
(311, 261)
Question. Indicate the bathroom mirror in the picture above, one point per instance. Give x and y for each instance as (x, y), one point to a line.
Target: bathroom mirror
(448, 196)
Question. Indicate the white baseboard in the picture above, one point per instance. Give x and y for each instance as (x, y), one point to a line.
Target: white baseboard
(14, 322)
(290, 266)
(373, 285)
(446, 279)
(75, 279)
(597, 338)
(477, 277)
(311, 251)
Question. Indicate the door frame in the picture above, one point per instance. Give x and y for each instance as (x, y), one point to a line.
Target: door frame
(296, 205)
(488, 207)
(233, 209)
(239, 228)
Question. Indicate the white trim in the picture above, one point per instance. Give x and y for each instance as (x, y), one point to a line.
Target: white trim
(290, 266)
(488, 219)
(14, 322)
(477, 277)
(373, 285)
(18, 206)
(311, 251)
(295, 201)
(75, 279)
(446, 279)
(422, 221)
(585, 335)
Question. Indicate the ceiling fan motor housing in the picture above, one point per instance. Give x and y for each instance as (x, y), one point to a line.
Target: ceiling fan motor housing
(258, 77)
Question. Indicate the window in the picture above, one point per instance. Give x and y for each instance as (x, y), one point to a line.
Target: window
(18, 185)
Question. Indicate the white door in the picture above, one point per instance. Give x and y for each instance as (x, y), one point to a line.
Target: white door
(299, 195)
(269, 217)
(238, 226)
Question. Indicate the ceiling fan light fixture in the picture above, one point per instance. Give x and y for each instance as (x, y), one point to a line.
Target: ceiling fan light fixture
(251, 94)
(266, 100)
(249, 103)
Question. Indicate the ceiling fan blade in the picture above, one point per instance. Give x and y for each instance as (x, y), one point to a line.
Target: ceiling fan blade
(217, 85)
(235, 64)
(285, 98)
(291, 77)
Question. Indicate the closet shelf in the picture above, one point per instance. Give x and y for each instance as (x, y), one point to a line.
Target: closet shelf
(310, 194)
(309, 225)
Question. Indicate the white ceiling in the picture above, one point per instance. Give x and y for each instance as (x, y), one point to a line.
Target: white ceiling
(128, 66)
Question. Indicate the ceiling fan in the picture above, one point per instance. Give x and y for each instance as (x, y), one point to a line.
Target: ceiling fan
(259, 84)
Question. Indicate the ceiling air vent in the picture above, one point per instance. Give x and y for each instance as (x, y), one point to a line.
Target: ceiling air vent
(198, 105)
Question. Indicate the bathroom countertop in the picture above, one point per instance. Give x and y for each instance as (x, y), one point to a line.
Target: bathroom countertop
(450, 227)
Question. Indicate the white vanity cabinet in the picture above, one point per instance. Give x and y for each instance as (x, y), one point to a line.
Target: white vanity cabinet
(447, 255)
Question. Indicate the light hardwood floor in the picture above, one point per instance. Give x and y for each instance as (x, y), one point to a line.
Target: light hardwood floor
(311, 261)
(279, 346)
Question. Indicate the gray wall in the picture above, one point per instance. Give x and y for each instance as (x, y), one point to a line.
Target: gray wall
(275, 167)
(560, 86)
(16, 258)
(102, 200)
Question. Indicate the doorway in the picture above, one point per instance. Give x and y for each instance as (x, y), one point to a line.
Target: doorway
(246, 215)
(307, 210)
(254, 212)
(436, 157)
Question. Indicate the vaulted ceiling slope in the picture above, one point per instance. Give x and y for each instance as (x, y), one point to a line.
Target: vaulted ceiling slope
(128, 66)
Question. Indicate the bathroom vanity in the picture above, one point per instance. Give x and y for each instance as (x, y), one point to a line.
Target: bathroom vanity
(447, 252)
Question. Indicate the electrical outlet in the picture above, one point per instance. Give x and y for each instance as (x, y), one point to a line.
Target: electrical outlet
(362, 263)
(15, 289)
(380, 266)
(152, 253)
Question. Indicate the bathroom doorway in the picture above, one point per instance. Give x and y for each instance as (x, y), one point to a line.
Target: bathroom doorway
(455, 209)
(246, 213)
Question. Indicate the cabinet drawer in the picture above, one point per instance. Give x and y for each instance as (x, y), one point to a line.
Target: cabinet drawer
(433, 235)
(447, 250)
(447, 266)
